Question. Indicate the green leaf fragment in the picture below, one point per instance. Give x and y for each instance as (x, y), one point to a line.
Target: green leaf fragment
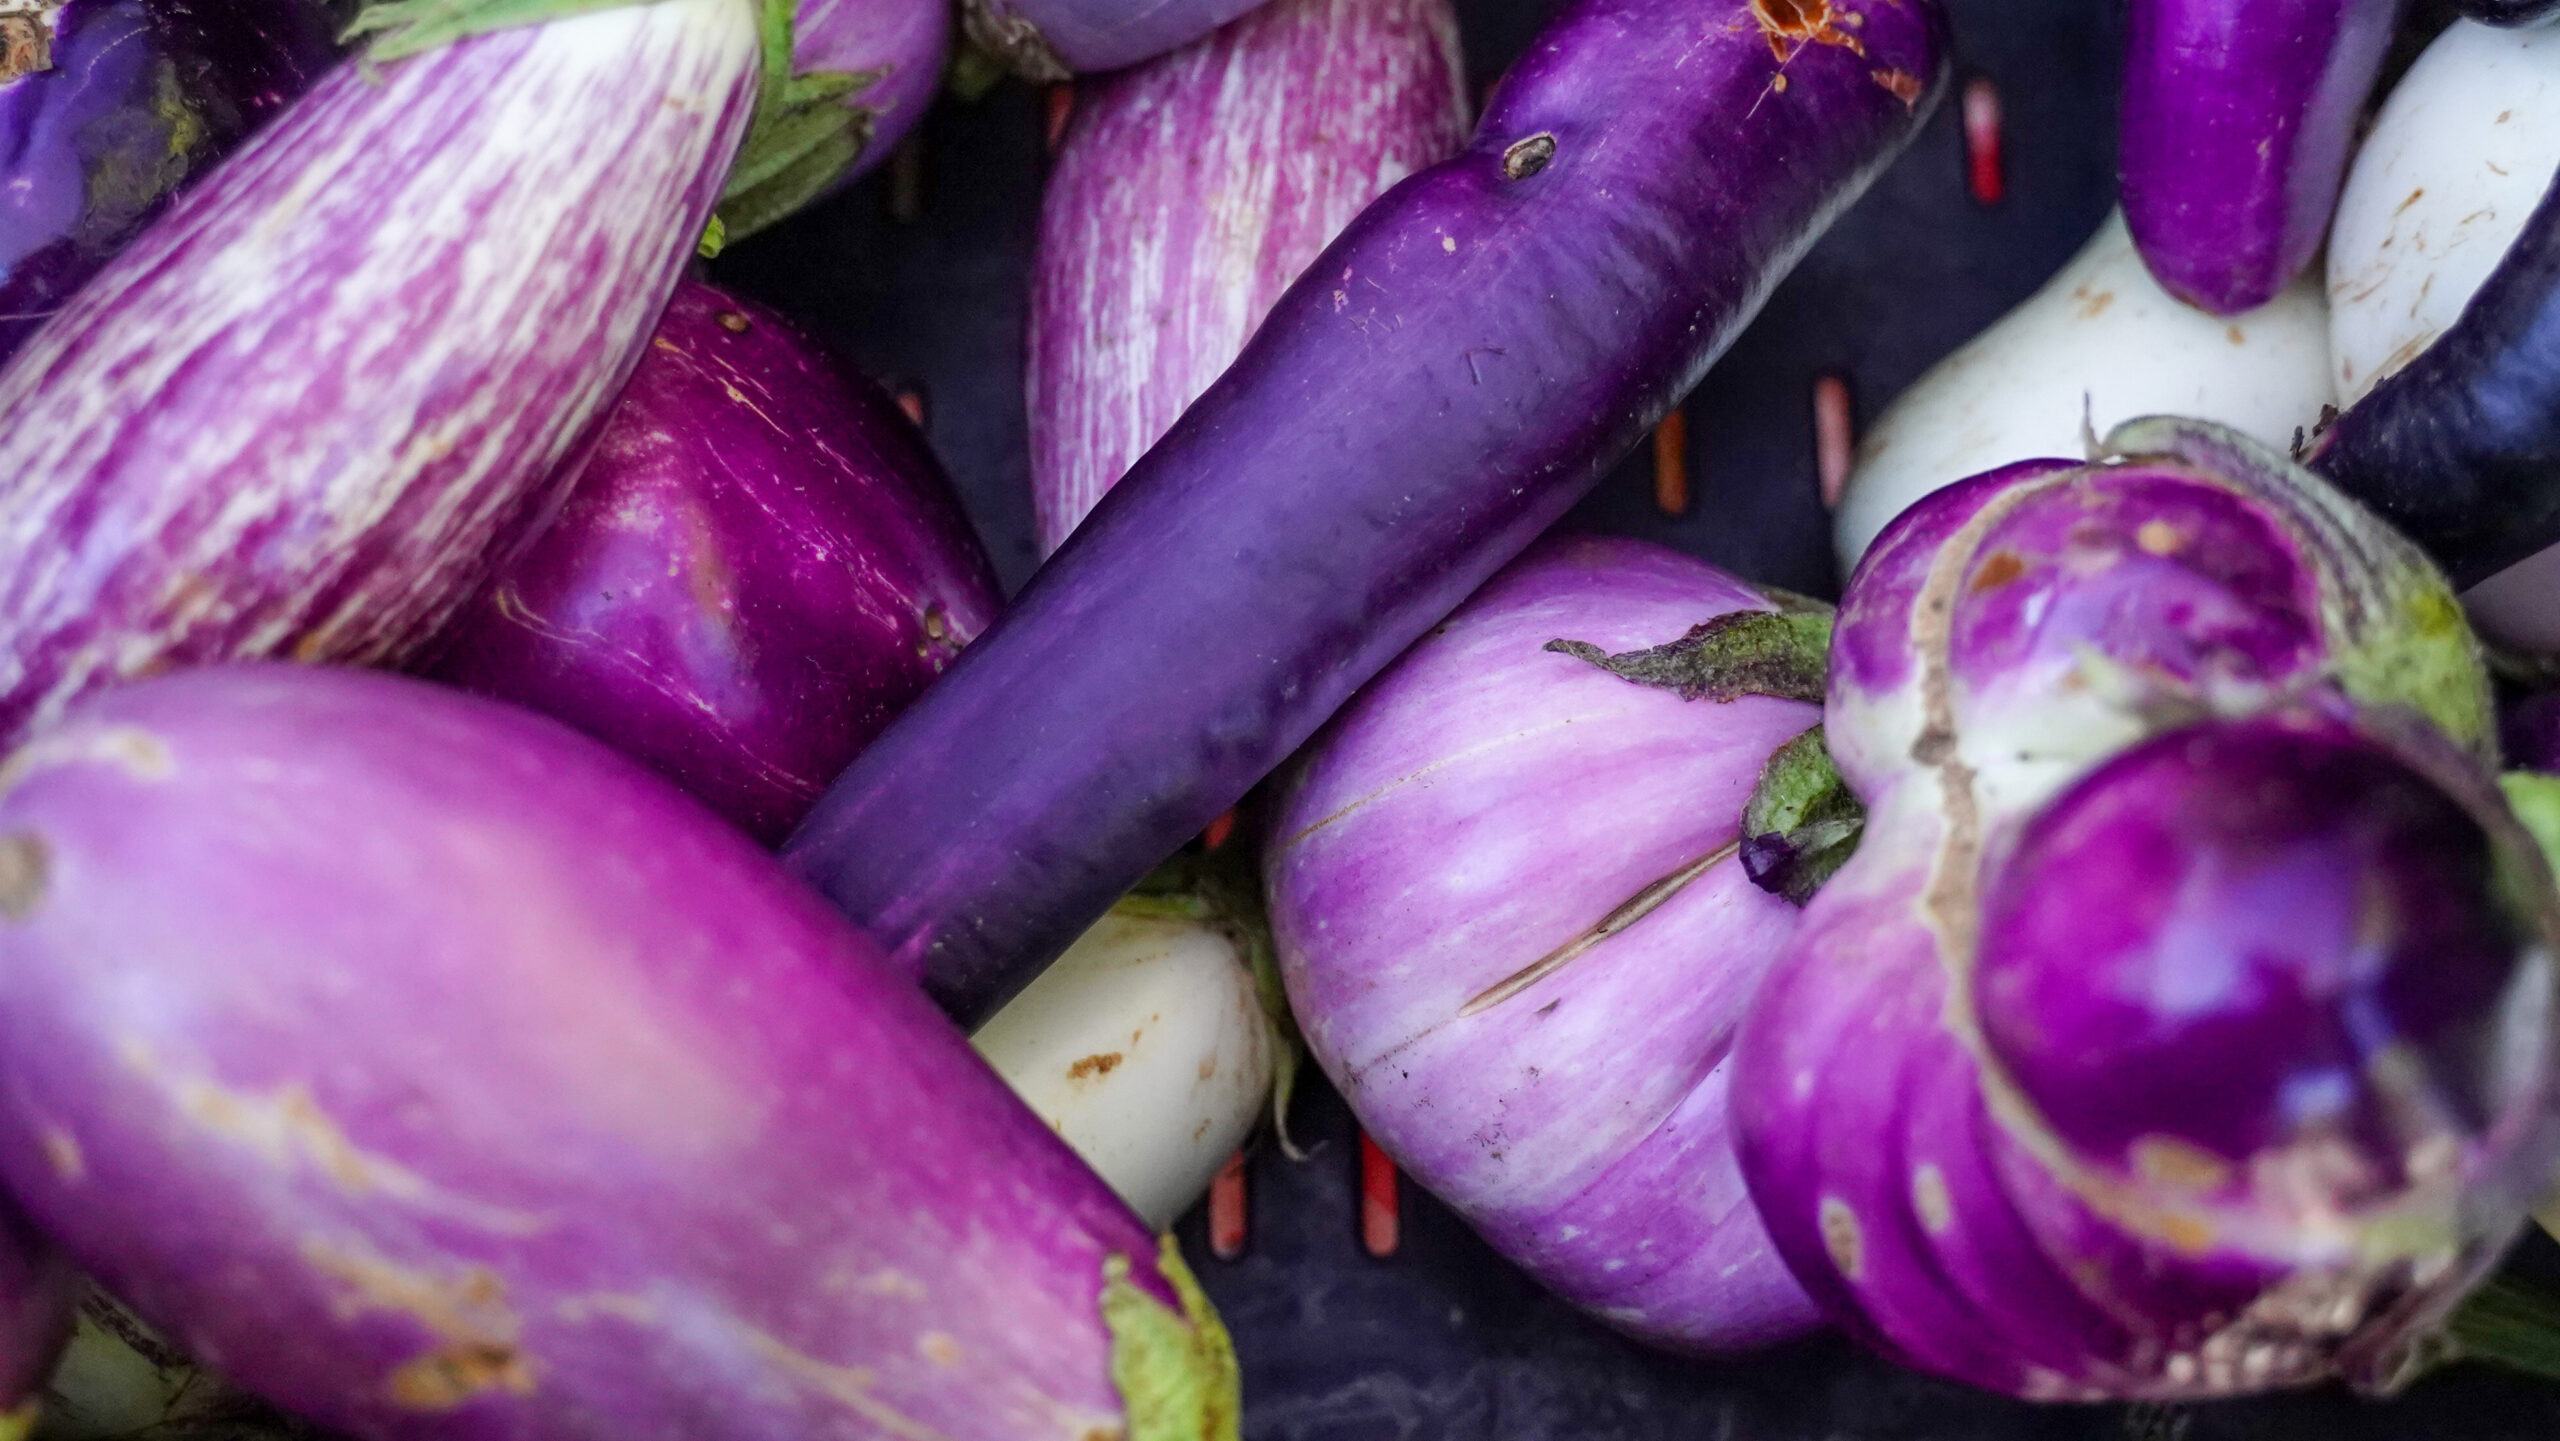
(1802, 822)
(2509, 1324)
(406, 27)
(1784, 653)
(1175, 1371)
(715, 238)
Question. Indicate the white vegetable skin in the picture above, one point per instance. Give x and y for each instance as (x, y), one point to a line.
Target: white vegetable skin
(2100, 343)
(1147, 1049)
(2457, 158)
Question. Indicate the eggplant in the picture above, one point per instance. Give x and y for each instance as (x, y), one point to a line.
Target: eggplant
(1146, 1048)
(622, 1133)
(303, 417)
(759, 565)
(1517, 932)
(1051, 40)
(1291, 120)
(845, 81)
(1455, 370)
(2238, 117)
(2099, 344)
(127, 102)
(2181, 1025)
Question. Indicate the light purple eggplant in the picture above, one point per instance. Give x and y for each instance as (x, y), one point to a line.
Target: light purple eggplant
(128, 101)
(461, 1079)
(845, 81)
(325, 394)
(1236, 159)
(758, 567)
(1455, 370)
(1050, 40)
(1517, 934)
(2238, 116)
(2186, 746)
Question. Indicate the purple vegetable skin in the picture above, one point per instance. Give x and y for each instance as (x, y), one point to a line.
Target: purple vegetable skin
(1460, 366)
(1483, 813)
(2036, 1212)
(1238, 158)
(38, 1294)
(856, 77)
(621, 1133)
(2238, 116)
(132, 100)
(1055, 39)
(760, 565)
(318, 402)
(897, 46)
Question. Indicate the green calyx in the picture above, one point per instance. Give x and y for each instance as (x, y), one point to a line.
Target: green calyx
(1802, 822)
(1175, 1370)
(1782, 653)
(807, 132)
(406, 27)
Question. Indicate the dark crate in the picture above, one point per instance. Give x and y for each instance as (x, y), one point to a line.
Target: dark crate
(919, 276)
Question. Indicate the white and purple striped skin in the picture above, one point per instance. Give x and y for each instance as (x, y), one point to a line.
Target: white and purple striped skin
(1190, 192)
(2002, 637)
(906, 41)
(319, 400)
(2237, 120)
(1054, 39)
(1483, 803)
(461, 1079)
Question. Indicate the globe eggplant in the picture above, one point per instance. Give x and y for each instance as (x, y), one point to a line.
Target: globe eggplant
(2099, 344)
(620, 1132)
(1510, 907)
(1290, 120)
(124, 102)
(759, 565)
(1455, 370)
(2195, 682)
(2238, 117)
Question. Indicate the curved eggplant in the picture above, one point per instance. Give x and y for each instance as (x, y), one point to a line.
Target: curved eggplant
(1518, 934)
(622, 1132)
(127, 101)
(1050, 40)
(759, 566)
(309, 412)
(2099, 344)
(1454, 371)
(1288, 122)
(2238, 117)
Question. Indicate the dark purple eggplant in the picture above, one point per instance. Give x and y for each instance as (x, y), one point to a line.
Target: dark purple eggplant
(110, 107)
(1446, 379)
(2460, 448)
(2238, 115)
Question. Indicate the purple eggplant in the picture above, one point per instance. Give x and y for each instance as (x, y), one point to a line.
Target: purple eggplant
(621, 1133)
(1051, 40)
(2186, 745)
(1238, 158)
(128, 100)
(1517, 934)
(318, 402)
(896, 46)
(1455, 370)
(845, 81)
(758, 567)
(2238, 116)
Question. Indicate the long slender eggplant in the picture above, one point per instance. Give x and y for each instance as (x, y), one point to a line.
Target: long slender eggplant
(759, 565)
(126, 102)
(1237, 158)
(620, 1132)
(321, 398)
(1446, 380)
(1055, 39)
(2238, 116)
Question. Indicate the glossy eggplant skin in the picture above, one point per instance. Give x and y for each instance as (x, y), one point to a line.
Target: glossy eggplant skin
(1457, 369)
(2238, 116)
(759, 566)
(137, 98)
(2460, 448)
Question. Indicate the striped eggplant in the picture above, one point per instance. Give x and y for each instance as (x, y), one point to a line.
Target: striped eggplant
(2182, 1024)
(845, 81)
(1518, 933)
(323, 395)
(1054, 39)
(760, 564)
(622, 1133)
(1237, 158)
(1455, 370)
(110, 106)
(2238, 116)
(2100, 344)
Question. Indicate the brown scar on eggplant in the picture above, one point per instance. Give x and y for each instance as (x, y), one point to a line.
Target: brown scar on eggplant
(1790, 25)
(26, 865)
(1100, 1065)
(1901, 84)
